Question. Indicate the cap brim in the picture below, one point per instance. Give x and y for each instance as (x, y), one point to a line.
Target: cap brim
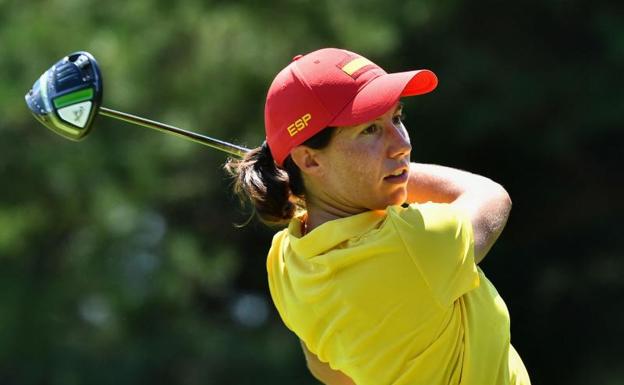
(381, 93)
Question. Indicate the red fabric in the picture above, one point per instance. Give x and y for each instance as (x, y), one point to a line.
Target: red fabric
(314, 92)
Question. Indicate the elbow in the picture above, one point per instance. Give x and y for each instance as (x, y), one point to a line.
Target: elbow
(500, 194)
(498, 197)
(497, 207)
(490, 224)
(504, 200)
(500, 203)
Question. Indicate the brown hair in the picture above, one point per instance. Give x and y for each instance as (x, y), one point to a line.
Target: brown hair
(276, 193)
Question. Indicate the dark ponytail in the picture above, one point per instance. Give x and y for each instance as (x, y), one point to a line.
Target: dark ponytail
(276, 193)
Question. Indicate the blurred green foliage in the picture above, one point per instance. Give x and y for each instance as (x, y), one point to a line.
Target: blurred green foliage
(120, 259)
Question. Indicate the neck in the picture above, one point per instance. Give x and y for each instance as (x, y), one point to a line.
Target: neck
(319, 212)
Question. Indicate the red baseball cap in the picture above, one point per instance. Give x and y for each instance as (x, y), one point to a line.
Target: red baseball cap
(332, 87)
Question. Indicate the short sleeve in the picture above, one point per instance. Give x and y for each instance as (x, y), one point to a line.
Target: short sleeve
(439, 239)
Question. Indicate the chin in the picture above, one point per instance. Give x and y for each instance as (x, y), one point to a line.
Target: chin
(397, 198)
(401, 196)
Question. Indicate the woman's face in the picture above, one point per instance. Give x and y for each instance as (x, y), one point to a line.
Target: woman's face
(364, 167)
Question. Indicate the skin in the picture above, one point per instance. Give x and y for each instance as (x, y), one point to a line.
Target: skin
(350, 176)
(364, 155)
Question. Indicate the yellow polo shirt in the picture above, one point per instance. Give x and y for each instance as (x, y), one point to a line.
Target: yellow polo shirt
(395, 297)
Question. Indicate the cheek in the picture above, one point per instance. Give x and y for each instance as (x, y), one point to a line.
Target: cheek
(359, 179)
(361, 155)
(354, 170)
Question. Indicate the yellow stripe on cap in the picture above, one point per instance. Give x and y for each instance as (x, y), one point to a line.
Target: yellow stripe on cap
(354, 65)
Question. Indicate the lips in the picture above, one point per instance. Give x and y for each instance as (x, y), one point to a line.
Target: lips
(399, 176)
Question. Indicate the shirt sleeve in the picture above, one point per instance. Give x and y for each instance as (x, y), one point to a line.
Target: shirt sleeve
(440, 241)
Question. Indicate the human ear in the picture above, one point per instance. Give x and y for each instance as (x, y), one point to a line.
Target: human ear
(306, 159)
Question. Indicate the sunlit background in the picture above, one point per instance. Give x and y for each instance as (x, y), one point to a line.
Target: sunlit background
(121, 258)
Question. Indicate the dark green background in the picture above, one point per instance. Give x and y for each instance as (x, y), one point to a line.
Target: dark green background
(120, 261)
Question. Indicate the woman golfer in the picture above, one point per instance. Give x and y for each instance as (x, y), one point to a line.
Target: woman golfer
(377, 272)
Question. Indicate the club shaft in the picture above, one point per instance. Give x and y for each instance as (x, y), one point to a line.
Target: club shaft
(221, 145)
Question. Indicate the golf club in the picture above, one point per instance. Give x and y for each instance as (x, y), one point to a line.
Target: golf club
(67, 97)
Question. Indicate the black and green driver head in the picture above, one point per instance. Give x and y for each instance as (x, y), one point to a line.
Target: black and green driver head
(67, 96)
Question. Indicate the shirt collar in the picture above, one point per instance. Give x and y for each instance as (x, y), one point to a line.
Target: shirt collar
(332, 233)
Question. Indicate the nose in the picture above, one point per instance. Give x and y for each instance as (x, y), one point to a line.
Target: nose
(398, 140)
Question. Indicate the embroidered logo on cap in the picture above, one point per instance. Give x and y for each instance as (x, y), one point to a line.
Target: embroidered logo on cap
(356, 64)
(299, 124)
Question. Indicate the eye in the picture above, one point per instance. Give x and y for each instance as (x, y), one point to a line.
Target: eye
(373, 128)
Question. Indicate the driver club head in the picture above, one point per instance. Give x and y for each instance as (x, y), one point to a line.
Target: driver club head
(67, 96)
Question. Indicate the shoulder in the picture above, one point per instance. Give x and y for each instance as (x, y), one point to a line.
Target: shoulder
(430, 216)
(277, 245)
(439, 239)
(279, 236)
(433, 228)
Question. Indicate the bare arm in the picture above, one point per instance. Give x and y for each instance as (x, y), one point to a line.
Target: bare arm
(323, 372)
(485, 201)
